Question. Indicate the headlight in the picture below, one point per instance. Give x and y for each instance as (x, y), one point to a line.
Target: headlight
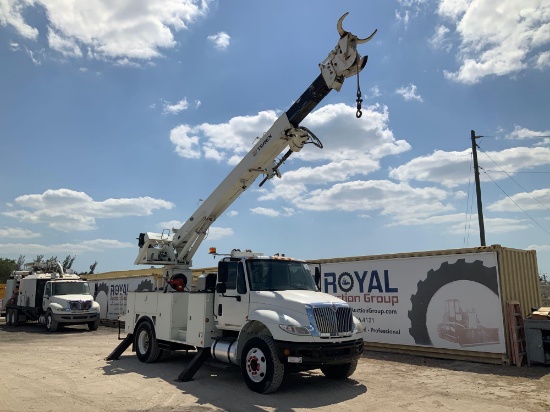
(357, 326)
(295, 330)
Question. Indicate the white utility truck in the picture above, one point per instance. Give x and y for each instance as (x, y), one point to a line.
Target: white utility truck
(263, 313)
(44, 293)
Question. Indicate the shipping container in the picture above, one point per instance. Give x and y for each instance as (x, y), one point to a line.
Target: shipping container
(442, 303)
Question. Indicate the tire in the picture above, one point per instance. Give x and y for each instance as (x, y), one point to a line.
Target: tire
(51, 324)
(146, 344)
(261, 368)
(435, 280)
(342, 371)
(14, 318)
(8, 317)
(93, 325)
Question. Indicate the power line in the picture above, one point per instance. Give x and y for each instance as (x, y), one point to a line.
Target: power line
(507, 174)
(504, 171)
(528, 215)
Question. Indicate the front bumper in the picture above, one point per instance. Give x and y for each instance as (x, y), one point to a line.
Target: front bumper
(75, 318)
(317, 354)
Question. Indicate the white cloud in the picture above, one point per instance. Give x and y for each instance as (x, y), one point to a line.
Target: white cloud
(542, 61)
(399, 200)
(452, 169)
(409, 93)
(113, 30)
(265, 211)
(221, 40)
(374, 92)
(235, 137)
(343, 136)
(186, 143)
(539, 248)
(18, 233)
(96, 245)
(232, 213)
(67, 210)
(439, 39)
(172, 224)
(64, 45)
(409, 9)
(216, 233)
(521, 133)
(497, 40)
(175, 108)
(11, 15)
(535, 200)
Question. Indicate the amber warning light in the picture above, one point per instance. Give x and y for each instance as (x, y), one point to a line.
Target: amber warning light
(212, 251)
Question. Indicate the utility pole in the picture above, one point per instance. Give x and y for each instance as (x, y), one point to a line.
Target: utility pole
(478, 189)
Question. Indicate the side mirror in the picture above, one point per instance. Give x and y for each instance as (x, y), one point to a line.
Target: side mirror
(318, 277)
(221, 288)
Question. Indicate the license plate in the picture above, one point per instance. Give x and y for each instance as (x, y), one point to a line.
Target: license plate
(294, 359)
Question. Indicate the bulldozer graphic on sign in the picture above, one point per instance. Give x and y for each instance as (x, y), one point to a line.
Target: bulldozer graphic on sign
(463, 327)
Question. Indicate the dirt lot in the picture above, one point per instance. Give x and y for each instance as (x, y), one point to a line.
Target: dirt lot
(66, 371)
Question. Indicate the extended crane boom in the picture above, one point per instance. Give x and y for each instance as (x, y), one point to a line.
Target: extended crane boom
(178, 249)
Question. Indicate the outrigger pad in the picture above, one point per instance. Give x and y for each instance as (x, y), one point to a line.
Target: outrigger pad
(187, 375)
(126, 342)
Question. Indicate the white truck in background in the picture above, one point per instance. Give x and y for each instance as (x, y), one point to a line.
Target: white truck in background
(44, 293)
(262, 313)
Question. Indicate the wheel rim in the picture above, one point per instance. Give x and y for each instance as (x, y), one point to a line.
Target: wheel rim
(143, 342)
(49, 321)
(256, 365)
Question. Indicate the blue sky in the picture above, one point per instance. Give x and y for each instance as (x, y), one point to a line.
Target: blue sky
(119, 117)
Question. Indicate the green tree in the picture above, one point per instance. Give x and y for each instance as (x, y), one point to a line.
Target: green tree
(6, 267)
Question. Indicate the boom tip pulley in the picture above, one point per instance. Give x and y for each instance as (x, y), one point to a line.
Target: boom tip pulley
(343, 32)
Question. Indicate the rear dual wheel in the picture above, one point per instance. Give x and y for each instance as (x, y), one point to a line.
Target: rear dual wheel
(146, 344)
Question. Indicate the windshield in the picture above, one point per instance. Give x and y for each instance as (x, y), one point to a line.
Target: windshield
(70, 288)
(279, 275)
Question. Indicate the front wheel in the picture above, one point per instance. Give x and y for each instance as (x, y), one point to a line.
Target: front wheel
(51, 324)
(146, 344)
(93, 325)
(261, 369)
(342, 371)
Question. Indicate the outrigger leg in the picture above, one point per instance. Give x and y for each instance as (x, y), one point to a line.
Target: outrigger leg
(187, 375)
(126, 342)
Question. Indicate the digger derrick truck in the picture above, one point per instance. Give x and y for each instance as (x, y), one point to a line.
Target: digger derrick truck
(43, 292)
(262, 313)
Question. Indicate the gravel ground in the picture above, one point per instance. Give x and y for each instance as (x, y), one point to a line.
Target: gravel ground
(66, 371)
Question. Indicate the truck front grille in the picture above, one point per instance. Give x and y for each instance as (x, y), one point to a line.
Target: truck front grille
(333, 320)
(80, 304)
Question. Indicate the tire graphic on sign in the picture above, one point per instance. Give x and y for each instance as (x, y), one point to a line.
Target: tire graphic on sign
(145, 286)
(345, 282)
(435, 280)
